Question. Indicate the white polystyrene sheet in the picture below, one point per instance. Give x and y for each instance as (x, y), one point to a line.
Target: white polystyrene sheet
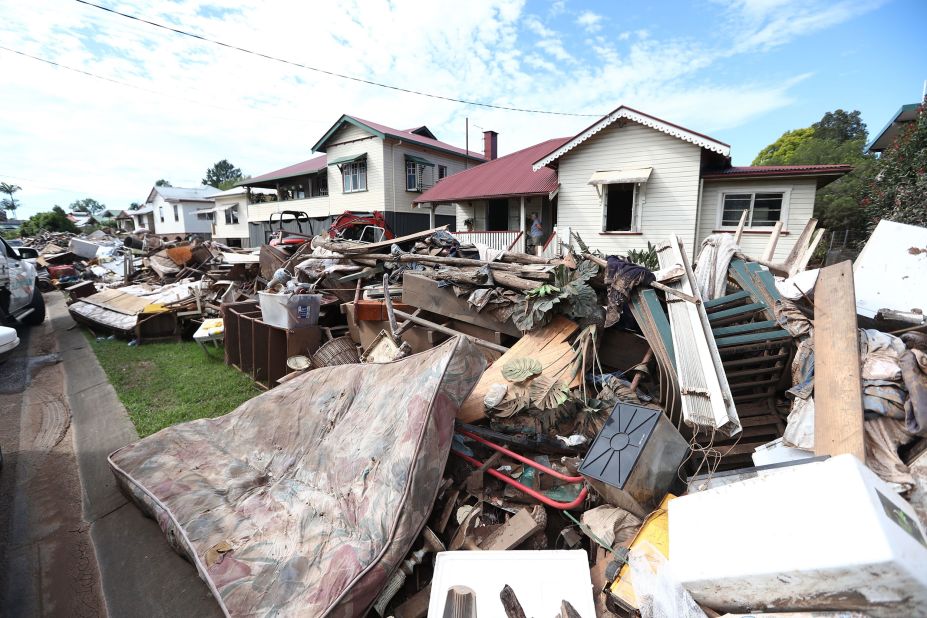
(540, 579)
(830, 532)
(891, 270)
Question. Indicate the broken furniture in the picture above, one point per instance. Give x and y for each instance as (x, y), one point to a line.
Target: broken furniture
(806, 537)
(354, 453)
(259, 349)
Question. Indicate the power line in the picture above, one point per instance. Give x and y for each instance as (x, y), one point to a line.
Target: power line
(333, 73)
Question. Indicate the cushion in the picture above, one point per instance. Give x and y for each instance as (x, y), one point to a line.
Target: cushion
(304, 500)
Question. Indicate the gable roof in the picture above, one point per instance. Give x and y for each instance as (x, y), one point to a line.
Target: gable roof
(383, 131)
(183, 194)
(505, 176)
(647, 120)
(299, 169)
(886, 137)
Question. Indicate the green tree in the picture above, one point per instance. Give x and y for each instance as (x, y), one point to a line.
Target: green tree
(898, 189)
(839, 137)
(10, 202)
(221, 172)
(134, 206)
(841, 126)
(88, 205)
(54, 221)
(163, 183)
(782, 151)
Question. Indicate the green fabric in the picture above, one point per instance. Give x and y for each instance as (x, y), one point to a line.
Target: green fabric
(350, 159)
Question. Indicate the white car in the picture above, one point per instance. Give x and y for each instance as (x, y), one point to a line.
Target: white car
(9, 339)
(20, 298)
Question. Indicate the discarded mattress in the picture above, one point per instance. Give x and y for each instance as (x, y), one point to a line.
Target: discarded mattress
(304, 500)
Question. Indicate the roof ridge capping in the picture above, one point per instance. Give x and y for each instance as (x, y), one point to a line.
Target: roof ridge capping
(674, 130)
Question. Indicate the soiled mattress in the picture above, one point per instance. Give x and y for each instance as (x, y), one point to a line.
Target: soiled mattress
(303, 501)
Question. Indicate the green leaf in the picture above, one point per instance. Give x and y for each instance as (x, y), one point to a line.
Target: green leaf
(520, 369)
(586, 270)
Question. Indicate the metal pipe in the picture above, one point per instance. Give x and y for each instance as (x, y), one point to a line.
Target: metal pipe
(449, 331)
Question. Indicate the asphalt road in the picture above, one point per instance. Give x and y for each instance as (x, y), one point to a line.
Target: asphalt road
(49, 564)
(70, 543)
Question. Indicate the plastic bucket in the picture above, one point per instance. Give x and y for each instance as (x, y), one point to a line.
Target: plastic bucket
(290, 310)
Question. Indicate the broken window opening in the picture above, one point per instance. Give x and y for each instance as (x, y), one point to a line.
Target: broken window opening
(618, 215)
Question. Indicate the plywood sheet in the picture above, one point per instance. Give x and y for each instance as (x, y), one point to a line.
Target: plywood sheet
(549, 345)
(838, 396)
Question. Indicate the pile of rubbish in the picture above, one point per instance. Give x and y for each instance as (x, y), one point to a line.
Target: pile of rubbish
(697, 438)
(139, 286)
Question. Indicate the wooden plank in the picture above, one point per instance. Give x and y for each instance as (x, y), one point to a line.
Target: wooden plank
(548, 345)
(724, 342)
(512, 533)
(425, 294)
(738, 329)
(725, 300)
(838, 397)
(356, 248)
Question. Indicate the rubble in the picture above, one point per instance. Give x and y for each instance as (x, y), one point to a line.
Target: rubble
(609, 391)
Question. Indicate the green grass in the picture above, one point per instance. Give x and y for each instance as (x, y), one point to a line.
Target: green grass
(162, 384)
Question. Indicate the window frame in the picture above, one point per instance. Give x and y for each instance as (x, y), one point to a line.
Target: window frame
(415, 175)
(636, 201)
(442, 172)
(748, 225)
(161, 213)
(353, 170)
(176, 213)
(231, 215)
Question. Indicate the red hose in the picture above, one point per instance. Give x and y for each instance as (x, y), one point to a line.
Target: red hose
(521, 458)
(563, 506)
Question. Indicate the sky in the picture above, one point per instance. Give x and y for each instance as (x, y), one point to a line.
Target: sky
(164, 105)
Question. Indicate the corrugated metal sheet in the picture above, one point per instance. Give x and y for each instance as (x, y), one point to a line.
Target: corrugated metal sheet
(508, 175)
(777, 170)
(299, 169)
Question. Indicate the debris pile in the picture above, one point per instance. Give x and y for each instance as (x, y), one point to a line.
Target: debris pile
(681, 440)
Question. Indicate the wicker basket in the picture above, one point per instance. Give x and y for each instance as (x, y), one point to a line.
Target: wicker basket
(338, 351)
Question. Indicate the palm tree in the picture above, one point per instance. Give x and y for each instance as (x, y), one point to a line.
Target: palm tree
(9, 203)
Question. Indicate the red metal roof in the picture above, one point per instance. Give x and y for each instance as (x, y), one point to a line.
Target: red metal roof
(408, 135)
(750, 171)
(508, 175)
(300, 169)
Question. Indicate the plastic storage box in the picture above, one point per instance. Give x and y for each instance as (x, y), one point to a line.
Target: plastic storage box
(290, 310)
(825, 535)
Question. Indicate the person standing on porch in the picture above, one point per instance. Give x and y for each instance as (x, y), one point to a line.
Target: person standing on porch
(536, 231)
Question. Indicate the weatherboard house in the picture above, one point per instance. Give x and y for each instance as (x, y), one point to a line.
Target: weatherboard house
(627, 180)
(365, 166)
(171, 212)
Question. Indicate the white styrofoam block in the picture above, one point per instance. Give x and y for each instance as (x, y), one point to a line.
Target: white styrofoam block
(777, 452)
(540, 579)
(825, 535)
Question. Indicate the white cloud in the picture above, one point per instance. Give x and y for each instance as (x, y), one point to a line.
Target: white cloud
(591, 22)
(192, 103)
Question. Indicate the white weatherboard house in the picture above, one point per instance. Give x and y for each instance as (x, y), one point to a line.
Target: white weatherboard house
(631, 178)
(171, 212)
(366, 166)
(229, 214)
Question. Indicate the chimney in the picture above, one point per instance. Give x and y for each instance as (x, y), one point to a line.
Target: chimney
(490, 145)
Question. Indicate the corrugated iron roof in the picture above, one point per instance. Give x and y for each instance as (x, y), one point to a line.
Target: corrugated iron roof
(508, 175)
(299, 169)
(747, 171)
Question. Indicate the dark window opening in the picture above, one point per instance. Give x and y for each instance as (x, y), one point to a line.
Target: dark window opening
(497, 215)
(619, 207)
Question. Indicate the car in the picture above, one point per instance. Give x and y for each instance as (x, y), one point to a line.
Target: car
(21, 300)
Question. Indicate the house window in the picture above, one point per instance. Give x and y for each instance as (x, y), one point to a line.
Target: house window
(618, 209)
(161, 213)
(442, 172)
(176, 214)
(763, 209)
(354, 176)
(205, 216)
(323, 185)
(231, 215)
(412, 174)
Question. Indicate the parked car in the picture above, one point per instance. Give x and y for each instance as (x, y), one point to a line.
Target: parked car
(20, 298)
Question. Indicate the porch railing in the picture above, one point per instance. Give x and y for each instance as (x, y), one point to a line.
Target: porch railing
(552, 247)
(507, 240)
